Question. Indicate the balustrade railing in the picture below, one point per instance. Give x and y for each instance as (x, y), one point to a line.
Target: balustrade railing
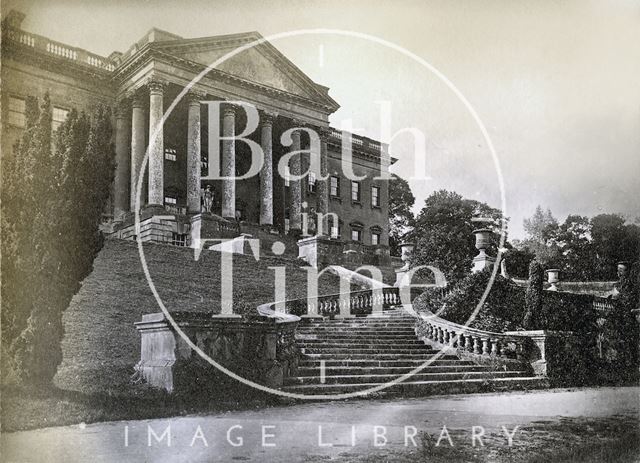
(58, 49)
(365, 302)
(601, 304)
(469, 340)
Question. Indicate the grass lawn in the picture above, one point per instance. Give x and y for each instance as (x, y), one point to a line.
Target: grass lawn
(101, 345)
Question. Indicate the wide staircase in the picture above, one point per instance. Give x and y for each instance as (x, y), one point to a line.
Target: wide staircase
(356, 354)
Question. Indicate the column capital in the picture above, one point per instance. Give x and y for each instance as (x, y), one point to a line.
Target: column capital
(156, 86)
(229, 110)
(323, 132)
(137, 99)
(194, 96)
(268, 117)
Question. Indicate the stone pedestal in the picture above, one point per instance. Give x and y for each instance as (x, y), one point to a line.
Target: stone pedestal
(263, 351)
(210, 226)
(319, 251)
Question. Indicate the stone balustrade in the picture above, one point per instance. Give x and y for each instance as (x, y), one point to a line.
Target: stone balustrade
(546, 353)
(58, 49)
(470, 341)
(365, 302)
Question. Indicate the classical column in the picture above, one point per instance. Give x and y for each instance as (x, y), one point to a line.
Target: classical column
(193, 153)
(137, 149)
(156, 145)
(229, 163)
(322, 182)
(121, 182)
(266, 174)
(295, 186)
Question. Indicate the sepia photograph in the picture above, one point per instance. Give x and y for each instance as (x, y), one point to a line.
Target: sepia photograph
(320, 231)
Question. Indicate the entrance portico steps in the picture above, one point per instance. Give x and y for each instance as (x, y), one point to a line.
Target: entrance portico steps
(350, 355)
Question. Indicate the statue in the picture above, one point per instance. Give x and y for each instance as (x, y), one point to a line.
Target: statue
(207, 199)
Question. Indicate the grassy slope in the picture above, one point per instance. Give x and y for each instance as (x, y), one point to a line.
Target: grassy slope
(101, 344)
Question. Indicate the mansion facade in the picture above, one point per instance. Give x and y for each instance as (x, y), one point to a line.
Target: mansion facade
(140, 85)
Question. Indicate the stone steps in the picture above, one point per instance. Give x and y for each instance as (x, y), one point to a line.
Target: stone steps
(417, 377)
(369, 363)
(351, 355)
(421, 388)
(389, 370)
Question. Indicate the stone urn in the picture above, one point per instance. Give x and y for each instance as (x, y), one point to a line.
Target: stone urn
(483, 238)
(553, 277)
(483, 241)
(406, 249)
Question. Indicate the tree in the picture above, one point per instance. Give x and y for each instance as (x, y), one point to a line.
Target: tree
(573, 238)
(52, 208)
(401, 219)
(541, 229)
(533, 296)
(613, 241)
(444, 233)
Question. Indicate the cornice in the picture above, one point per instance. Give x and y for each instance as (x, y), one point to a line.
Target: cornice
(148, 53)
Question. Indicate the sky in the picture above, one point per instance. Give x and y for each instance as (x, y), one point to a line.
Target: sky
(555, 83)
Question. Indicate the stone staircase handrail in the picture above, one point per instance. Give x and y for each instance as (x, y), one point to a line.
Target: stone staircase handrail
(346, 304)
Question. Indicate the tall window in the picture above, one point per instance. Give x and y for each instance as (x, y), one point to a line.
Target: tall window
(375, 196)
(356, 234)
(58, 116)
(375, 238)
(16, 114)
(334, 189)
(355, 191)
(335, 227)
(311, 181)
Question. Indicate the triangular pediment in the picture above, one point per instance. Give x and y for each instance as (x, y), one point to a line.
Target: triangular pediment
(262, 64)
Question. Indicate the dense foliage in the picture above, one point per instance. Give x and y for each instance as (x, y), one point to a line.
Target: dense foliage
(444, 233)
(502, 310)
(53, 197)
(583, 248)
(401, 219)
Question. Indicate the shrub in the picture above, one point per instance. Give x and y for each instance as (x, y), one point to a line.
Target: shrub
(502, 310)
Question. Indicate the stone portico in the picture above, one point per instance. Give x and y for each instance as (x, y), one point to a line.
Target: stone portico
(144, 82)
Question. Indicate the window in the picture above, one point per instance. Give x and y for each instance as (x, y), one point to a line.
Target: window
(16, 114)
(170, 154)
(375, 196)
(355, 191)
(335, 227)
(375, 238)
(356, 235)
(170, 200)
(58, 116)
(179, 239)
(311, 181)
(334, 189)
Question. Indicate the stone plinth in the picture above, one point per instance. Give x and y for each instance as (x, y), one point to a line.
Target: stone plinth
(553, 354)
(261, 350)
(482, 261)
(319, 251)
(210, 226)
